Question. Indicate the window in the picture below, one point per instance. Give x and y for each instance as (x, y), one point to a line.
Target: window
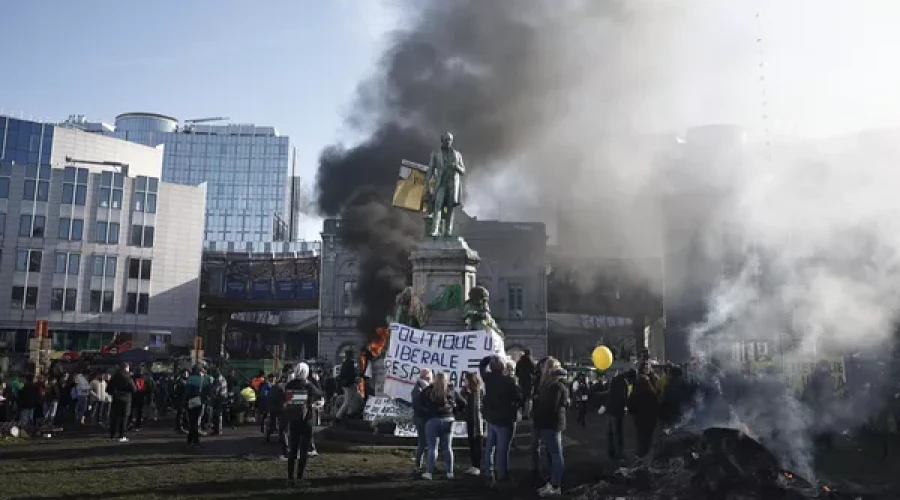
(37, 183)
(139, 269)
(75, 182)
(24, 298)
(70, 229)
(107, 232)
(349, 297)
(28, 260)
(138, 303)
(32, 226)
(142, 236)
(2, 223)
(5, 173)
(112, 185)
(145, 191)
(101, 301)
(157, 340)
(67, 263)
(516, 300)
(63, 299)
(104, 266)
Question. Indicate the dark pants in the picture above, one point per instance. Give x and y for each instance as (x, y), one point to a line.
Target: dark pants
(194, 415)
(476, 444)
(614, 436)
(582, 413)
(118, 414)
(179, 416)
(263, 420)
(301, 435)
(216, 407)
(644, 430)
(137, 411)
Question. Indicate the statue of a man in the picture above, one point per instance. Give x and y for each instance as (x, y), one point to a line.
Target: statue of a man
(446, 171)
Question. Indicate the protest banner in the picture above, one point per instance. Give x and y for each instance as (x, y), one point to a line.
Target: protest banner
(454, 353)
(408, 429)
(385, 408)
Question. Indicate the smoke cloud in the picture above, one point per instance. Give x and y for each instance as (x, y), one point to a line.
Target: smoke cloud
(567, 112)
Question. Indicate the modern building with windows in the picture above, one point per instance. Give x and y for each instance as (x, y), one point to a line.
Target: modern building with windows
(96, 244)
(247, 168)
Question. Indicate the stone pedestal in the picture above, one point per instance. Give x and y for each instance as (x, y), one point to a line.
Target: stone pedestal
(441, 266)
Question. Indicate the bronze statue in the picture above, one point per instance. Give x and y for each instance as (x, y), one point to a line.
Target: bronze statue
(446, 172)
(477, 311)
(410, 310)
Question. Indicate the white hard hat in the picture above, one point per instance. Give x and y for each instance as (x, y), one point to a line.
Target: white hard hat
(301, 371)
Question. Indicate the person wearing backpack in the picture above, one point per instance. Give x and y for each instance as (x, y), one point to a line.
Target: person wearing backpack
(137, 402)
(300, 397)
(262, 402)
(276, 404)
(121, 388)
(194, 392)
(218, 398)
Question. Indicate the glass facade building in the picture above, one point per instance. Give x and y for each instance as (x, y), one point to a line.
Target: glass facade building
(247, 168)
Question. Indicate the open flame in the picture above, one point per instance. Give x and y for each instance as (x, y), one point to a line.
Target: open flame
(375, 346)
(788, 475)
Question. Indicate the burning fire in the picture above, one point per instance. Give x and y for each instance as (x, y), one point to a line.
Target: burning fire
(374, 347)
(788, 475)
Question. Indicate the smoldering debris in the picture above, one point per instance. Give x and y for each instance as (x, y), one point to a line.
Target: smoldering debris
(716, 464)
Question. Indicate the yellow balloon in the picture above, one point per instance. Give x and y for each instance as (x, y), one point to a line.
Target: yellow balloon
(602, 357)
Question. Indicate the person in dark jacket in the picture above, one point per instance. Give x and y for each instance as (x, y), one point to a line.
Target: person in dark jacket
(277, 418)
(581, 393)
(51, 401)
(550, 420)
(143, 388)
(676, 397)
(525, 374)
(500, 405)
(439, 403)
(196, 396)
(643, 405)
(347, 378)
(420, 416)
(29, 399)
(471, 394)
(301, 398)
(538, 459)
(616, 402)
(121, 388)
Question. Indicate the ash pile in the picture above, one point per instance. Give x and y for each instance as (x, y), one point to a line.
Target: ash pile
(717, 464)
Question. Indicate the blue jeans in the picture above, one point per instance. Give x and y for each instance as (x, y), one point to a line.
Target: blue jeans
(437, 429)
(81, 408)
(552, 441)
(499, 438)
(421, 440)
(26, 415)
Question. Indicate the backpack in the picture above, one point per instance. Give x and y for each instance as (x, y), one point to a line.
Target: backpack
(296, 404)
(139, 384)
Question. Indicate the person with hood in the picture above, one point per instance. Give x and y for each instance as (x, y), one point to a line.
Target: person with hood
(420, 416)
(195, 393)
(439, 403)
(29, 398)
(139, 399)
(525, 374)
(300, 398)
(502, 400)
(347, 378)
(643, 405)
(616, 403)
(121, 388)
(276, 404)
(262, 401)
(550, 421)
(218, 396)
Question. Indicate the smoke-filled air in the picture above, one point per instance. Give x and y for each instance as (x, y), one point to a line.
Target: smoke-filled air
(575, 113)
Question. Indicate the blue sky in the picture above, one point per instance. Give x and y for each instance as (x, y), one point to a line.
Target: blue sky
(293, 64)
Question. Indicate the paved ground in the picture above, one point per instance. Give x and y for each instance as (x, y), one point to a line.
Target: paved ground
(156, 464)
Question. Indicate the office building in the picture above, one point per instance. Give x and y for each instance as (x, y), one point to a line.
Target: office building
(247, 168)
(92, 241)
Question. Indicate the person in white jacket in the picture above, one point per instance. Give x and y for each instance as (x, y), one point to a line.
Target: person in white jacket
(97, 396)
(82, 393)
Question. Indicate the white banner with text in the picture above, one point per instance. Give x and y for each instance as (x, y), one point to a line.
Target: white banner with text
(411, 350)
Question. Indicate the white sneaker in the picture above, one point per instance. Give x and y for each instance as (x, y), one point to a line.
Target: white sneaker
(283, 458)
(546, 487)
(123, 440)
(552, 492)
(449, 475)
(472, 471)
(426, 476)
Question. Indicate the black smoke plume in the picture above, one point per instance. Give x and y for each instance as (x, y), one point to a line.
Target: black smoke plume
(471, 67)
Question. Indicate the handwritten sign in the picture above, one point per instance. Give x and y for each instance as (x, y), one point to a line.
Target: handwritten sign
(385, 408)
(408, 429)
(454, 353)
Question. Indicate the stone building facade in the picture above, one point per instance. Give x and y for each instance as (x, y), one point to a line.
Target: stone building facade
(513, 268)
